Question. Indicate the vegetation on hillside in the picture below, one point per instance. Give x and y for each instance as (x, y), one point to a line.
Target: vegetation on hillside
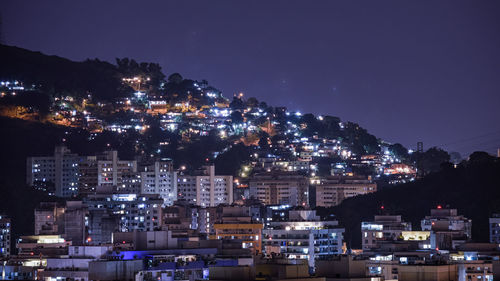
(473, 187)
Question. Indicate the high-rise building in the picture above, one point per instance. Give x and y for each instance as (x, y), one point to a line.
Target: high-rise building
(153, 178)
(5, 231)
(495, 229)
(382, 228)
(159, 178)
(87, 175)
(237, 224)
(67, 220)
(57, 174)
(276, 188)
(110, 213)
(104, 171)
(448, 229)
(205, 189)
(131, 183)
(304, 236)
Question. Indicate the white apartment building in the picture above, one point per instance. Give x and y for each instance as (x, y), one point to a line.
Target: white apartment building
(110, 169)
(58, 172)
(304, 236)
(159, 178)
(206, 189)
(382, 228)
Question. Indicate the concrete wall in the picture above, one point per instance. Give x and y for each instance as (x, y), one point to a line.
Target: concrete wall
(428, 273)
(88, 251)
(114, 270)
(68, 263)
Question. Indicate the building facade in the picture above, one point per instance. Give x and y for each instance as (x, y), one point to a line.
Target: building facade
(67, 220)
(122, 213)
(159, 178)
(57, 174)
(448, 229)
(5, 236)
(276, 188)
(333, 190)
(205, 189)
(382, 228)
(237, 224)
(304, 236)
(495, 229)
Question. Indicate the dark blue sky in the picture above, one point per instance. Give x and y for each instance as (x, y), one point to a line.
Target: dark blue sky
(407, 71)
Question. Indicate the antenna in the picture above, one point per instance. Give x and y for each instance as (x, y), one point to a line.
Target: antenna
(420, 168)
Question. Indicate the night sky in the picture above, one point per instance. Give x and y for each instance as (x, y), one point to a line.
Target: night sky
(422, 71)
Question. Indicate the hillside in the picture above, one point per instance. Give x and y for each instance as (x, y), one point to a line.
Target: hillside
(466, 187)
(56, 75)
(19, 140)
(473, 188)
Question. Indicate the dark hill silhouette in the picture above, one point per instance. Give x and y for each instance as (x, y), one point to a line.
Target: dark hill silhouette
(473, 188)
(56, 75)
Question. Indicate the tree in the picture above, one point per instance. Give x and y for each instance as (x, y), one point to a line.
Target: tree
(263, 143)
(229, 162)
(263, 105)
(311, 125)
(236, 117)
(399, 151)
(325, 166)
(359, 140)
(237, 103)
(252, 102)
(332, 127)
(481, 157)
(430, 161)
(175, 78)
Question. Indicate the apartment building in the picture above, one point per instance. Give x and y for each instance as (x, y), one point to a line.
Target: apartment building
(58, 174)
(304, 236)
(333, 190)
(276, 188)
(5, 236)
(205, 188)
(382, 228)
